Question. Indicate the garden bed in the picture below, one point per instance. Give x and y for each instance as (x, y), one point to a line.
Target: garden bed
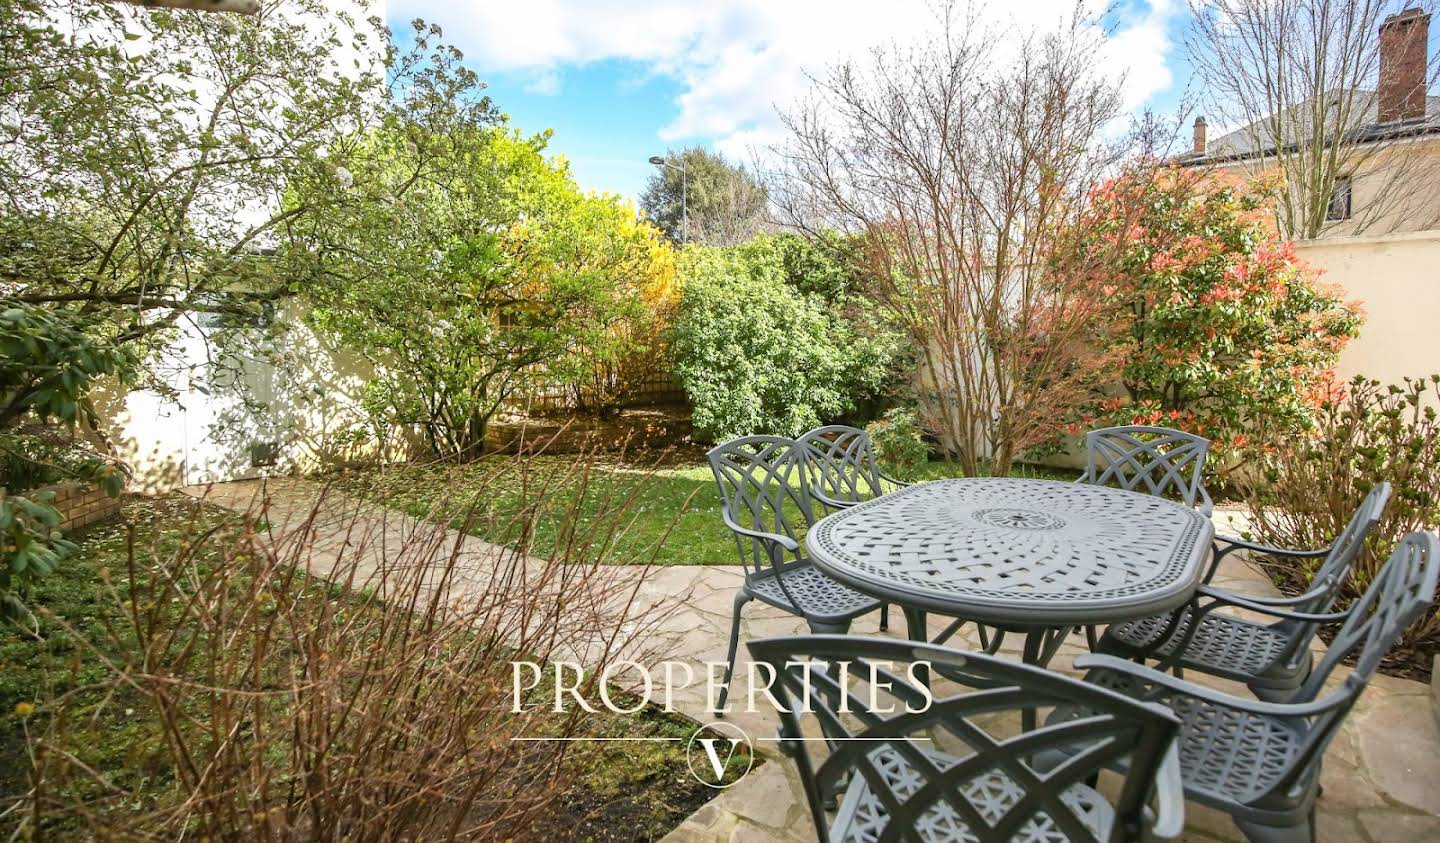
(630, 791)
(640, 427)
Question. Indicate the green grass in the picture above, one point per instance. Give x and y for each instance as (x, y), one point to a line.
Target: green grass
(671, 511)
(673, 514)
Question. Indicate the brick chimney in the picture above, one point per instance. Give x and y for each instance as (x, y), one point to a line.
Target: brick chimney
(1403, 40)
(1199, 147)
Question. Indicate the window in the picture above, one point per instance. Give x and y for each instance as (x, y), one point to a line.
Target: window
(1339, 201)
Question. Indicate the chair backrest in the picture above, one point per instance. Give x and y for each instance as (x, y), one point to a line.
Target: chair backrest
(1402, 589)
(901, 764)
(762, 487)
(1333, 570)
(1345, 550)
(1400, 593)
(1155, 460)
(843, 469)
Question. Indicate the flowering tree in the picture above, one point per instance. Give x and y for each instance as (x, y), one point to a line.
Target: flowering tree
(1224, 327)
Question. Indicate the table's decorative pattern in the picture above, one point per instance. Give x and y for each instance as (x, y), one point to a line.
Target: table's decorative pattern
(1016, 542)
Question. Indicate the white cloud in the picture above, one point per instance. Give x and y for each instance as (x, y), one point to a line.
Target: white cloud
(738, 59)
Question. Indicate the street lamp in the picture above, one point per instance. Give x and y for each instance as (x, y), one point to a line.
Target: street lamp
(684, 194)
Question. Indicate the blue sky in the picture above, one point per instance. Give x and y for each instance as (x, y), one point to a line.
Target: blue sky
(621, 81)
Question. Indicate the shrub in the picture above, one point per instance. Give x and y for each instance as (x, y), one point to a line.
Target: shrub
(756, 354)
(899, 442)
(1304, 490)
(53, 358)
(492, 272)
(1223, 329)
(368, 696)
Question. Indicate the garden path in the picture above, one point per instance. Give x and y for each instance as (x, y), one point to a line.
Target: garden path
(1380, 774)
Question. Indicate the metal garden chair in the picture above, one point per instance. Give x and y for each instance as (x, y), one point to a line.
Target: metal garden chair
(1272, 658)
(1260, 761)
(766, 504)
(845, 469)
(1154, 460)
(844, 472)
(906, 761)
(1158, 461)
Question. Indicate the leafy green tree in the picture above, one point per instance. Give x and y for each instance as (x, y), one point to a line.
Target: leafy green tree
(1224, 330)
(723, 202)
(466, 266)
(758, 354)
(147, 150)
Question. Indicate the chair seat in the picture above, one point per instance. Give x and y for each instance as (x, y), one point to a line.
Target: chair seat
(1228, 757)
(1232, 756)
(819, 595)
(1224, 645)
(862, 816)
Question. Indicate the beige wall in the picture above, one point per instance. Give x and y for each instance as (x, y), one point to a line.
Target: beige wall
(1396, 278)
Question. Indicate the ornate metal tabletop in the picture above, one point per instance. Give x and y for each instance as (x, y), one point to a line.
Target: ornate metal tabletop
(1018, 552)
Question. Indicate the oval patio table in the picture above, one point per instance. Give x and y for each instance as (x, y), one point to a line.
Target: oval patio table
(1037, 556)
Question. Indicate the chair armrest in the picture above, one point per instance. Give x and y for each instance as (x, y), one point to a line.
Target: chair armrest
(1273, 601)
(897, 481)
(1228, 599)
(1233, 544)
(1242, 544)
(1206, 505)
(833, 503)
(784, 541)
(1169, 817)
(1149, 685)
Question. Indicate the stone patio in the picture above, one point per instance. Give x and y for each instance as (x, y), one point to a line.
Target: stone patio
(1381, 776)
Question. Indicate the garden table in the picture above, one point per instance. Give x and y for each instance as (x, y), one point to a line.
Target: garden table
(1037, 556)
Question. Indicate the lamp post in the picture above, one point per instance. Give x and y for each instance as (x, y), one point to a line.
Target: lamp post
(684, 194)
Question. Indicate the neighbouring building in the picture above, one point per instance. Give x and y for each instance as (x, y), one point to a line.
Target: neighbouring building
(292, 401)
(1396, 129)
(1384, 250)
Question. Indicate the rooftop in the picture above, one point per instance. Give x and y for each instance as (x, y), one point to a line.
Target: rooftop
(1362, 125)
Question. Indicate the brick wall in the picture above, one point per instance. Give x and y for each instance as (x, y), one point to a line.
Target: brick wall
(80, 504)
(1404, 65)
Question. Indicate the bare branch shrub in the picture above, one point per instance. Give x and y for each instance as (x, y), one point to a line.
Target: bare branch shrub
(964, 163)
(309, 687)
(1303, 489)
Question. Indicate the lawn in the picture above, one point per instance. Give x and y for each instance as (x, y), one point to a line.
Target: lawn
(672, 512)
(54, 681)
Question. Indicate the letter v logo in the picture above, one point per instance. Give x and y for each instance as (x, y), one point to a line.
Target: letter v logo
(712, 754)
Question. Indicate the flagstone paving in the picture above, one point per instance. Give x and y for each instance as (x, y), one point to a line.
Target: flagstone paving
(1381, 776)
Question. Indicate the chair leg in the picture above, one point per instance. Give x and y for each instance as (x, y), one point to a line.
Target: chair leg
(1092, 638)
(820, 628)
(884, 616)
(741, 598)
(1272, 695)
(1301, 832)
